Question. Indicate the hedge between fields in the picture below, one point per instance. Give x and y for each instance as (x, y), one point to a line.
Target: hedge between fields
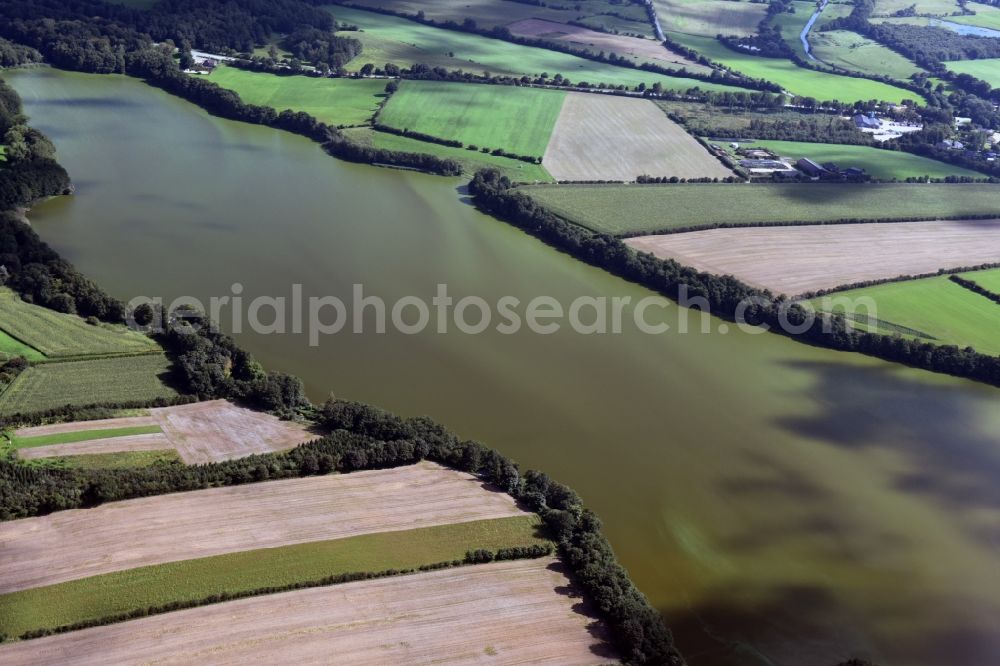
(362, 438)
(951, 272)
(975, 287)
(728, 297)
(472, 557)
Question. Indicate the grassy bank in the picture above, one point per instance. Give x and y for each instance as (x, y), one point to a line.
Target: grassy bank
(189, 580)
(518, 120)
(60, 335)
(634, 209)
(333, 101)
(881, 164)
(53, 385)
(470, 160)
(988, 70)
(935, 306)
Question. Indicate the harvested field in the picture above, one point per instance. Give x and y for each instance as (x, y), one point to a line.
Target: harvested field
(305, 564)
(640, 50)
(202, 432)
(503, 613)
(150, 442)
(605, 137)
(202, 523)
(795, 260)
(219, 430)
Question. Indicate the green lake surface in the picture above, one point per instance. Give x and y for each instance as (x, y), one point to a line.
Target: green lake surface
(781, 504)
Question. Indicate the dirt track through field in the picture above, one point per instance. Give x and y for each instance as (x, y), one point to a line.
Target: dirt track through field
(501, 613)
(606, 137)
(202, 432)
(123, 535)
(795, 260)
(623, 45)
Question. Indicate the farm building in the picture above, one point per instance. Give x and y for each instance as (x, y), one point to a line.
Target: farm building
(861, 121)
(767, 167)
(951, 144)
(811, 169)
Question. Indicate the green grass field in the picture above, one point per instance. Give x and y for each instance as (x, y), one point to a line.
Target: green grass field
(882, 164)
(986, 16)
(709, 17)
(413, 42)
(635, 209)
(334, 101)
(851, 51)
(120, 592)
(987, 70)
(822, 86)
(629, 18)
(923, 7)
(60, 335)
(937, 306)
(122, 379)
(519, 120)
(471, 161)
(988, 279)
(82, 436)
(116, 460)
(12, 347)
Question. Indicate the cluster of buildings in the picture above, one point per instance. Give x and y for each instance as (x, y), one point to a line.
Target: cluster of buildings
(883, 129)
(763, 163)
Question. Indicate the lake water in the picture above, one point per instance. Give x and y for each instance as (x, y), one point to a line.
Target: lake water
(963, 29)
(781, 504)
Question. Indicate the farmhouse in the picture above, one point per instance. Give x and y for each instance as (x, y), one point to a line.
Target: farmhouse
(950, 144)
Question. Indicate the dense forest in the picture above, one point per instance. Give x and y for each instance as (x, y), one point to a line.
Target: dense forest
(91, 35)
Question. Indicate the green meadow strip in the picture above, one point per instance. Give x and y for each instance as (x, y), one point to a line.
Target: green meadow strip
(83, 436)
(145, 590)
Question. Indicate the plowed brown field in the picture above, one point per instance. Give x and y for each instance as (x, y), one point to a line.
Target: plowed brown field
(123, 535)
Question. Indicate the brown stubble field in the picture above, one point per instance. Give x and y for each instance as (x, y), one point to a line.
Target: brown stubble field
(123, 535)
(642, 50)
(796, 260)
(607, 137)
(524, 611)
(201, 432)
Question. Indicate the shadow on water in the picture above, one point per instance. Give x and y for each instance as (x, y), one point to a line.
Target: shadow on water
(951, 458)
(806, 625)
(946, 456)
(88, 102)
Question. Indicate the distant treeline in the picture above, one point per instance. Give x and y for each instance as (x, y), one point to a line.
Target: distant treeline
(13, 55)
(361, 438)
(727, 296)
(90, 35)
(503, 33)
